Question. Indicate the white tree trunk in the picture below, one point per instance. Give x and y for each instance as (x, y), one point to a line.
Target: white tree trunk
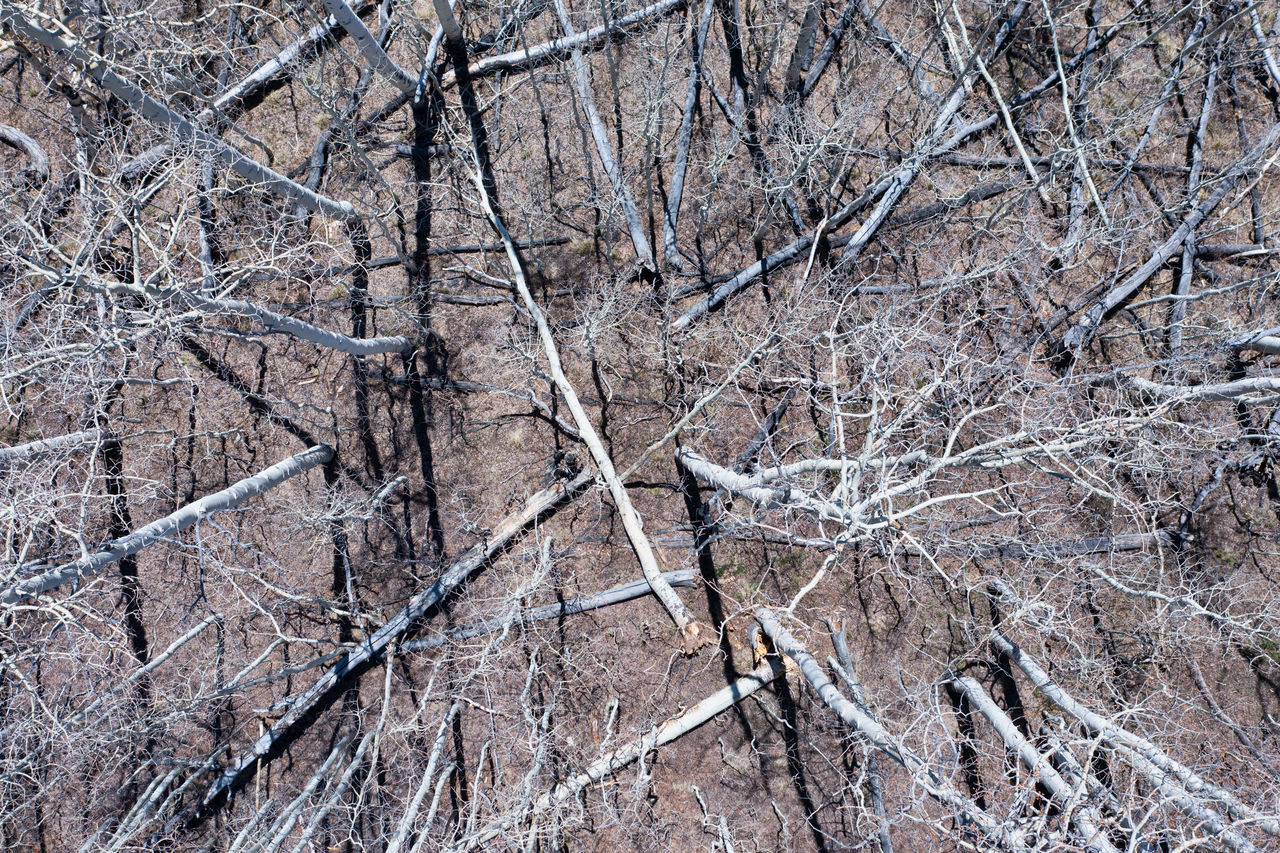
(304, 708)
(691, 631)
(171, 524)
(609, 764)
(857, 719)
(368, 45)
(35, 449)
(1083, 816)
(540, 54)
(154, 111)
(1175, 780)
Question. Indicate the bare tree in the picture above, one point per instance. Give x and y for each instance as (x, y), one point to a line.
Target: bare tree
(719, 425)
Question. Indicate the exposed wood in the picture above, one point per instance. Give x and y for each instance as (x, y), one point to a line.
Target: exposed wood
(229, 498)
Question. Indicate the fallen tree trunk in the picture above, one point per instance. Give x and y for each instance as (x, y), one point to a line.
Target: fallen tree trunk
(1082, 332)
(798, 249)
(368, 45)
(174, 523)
(1257, 389)
(966, 811)
(691, 630)
(763, 496)
(1174, 780)
(269, 320)
(615, 595)
(152, 110)
(1267, 344)
(15, 138)
(294, 327)
(1061, 550)
(529, 58)
(309, 705)
(903, 178)
(875, 779)
(35, 449)
(635, 228)
(680, 167)
(607, 765)
(251, 90)
(1084, 818)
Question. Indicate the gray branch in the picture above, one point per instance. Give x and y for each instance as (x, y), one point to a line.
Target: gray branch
(15, 138)
(1173, 780)
(611, 763)
(644, 253)
(615, 595)
(680, 167)
(1084, 817)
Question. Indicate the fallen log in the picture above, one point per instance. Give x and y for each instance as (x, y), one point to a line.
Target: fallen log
(965, 809)
(15, 138)
(1083, 330)
(251, 90)
(1174, 780)
(171, 524)
(96, 69)
(609, 764)
(35, 449)
(529, 58)
(1083, 816)
(517, 618)
(303, 710)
